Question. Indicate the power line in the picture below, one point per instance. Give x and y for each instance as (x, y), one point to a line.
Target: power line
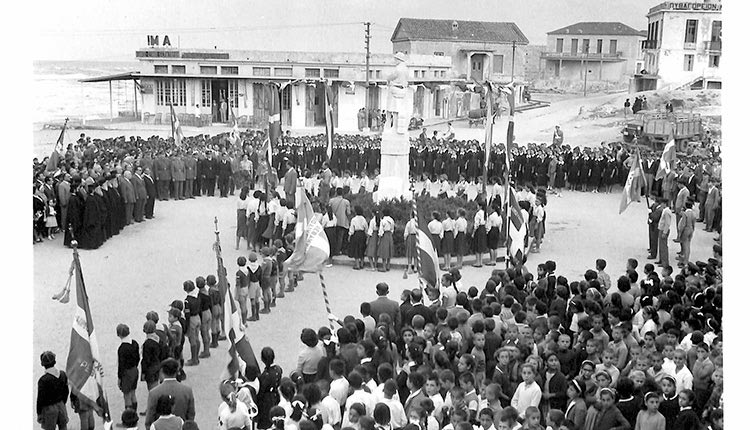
(199, 29)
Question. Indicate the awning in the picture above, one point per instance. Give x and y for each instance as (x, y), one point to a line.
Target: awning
(117, 77)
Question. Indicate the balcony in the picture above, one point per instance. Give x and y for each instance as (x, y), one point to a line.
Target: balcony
(714, 46)
(581, 56)
(649, 44)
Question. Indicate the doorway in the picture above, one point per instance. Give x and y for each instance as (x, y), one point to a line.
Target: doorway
(286, 106)
(315, 105)
(477, 67)
(219, 89)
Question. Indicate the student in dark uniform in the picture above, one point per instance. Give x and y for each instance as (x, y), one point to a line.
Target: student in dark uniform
(595, 177)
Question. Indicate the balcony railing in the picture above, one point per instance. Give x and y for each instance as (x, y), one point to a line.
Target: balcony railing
(582, 55)
(649, 44)
(712, 46)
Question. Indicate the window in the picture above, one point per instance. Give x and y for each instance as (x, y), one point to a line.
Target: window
(691, 31)
(312, 73)
(416, 73)
(261, 71)
(438, 53)
(613, 46)
(436, 73)
(586, 46)
(424, 73)
(330, 73)
(442, 73)
(713, 60)
(599, 46)
(208, 70)
(688, 65)
(171, 91)
(161, 69)
(233, 93)
(282, 71)
(377, 74)
(476, 65)
(559, 45)
(230, 70)
(498, 64)
(178, 70)
(716, 31)
(205, 93)
(574, 46)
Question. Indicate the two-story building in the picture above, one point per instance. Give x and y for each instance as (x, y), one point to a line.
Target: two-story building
(195, 81)
(479, 51)
(593, 51)
(683, 47)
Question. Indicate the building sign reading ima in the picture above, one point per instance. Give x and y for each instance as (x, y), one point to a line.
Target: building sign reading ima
(695, 6)
(153, 41)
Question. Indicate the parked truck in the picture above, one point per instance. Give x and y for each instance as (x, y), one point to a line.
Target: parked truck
(654, 129)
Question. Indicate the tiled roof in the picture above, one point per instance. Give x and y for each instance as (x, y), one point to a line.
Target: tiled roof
(472, 31)
(598, 29)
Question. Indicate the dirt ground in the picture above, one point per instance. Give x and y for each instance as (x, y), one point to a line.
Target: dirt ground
(143, 268)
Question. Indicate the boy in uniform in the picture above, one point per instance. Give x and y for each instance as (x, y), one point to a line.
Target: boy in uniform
(193, 316)
(204, 301)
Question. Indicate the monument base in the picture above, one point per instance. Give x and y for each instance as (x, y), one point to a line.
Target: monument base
(394, 167)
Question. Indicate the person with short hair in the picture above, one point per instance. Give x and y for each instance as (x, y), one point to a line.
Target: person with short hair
(166, 420)
(193, 316)
(128, 356)
(52, 394)
(182, 404)
(528, 392)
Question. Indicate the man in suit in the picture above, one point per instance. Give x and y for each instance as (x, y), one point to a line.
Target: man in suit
(184, 402)
(418, 308)
(691, 183)
(224, 172)
(209, 174)
(712, 202)
(290, 183)
(177, 170)
(685, 231)
(342, 210)
(128, 195)
(63, 197)
(148, 181)
(653, 230)
(141, 195)
(679, 202)
(191, 165)
(651, 166)
(384, 305)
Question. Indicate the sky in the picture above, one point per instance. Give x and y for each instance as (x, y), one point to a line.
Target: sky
(107, 30)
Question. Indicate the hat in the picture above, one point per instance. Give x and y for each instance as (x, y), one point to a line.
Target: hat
(252, 257)
(701, 264)
(177, 304)
(400, 56)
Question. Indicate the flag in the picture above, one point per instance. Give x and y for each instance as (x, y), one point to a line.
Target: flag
(516, 229)
(54, 158)
(428, 259)
(234, 135)
(274, 114)
(636, 179)
(176, 127)
(311, 247)
(511, 121)
(240, 351)
(84, 368)
(488, 124)
(668, 157)
(329, 119)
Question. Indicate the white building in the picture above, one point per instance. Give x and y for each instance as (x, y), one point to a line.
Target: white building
(683, 47)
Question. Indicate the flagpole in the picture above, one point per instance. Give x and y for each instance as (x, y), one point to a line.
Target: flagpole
(640, 162)
(415, 216)
(171, 117)
(325, 298)
(487, 143)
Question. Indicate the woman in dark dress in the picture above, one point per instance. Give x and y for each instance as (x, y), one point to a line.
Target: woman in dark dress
(595, 176)
(75, 215)
(562, 168)
(609, 174)
(588, 163)
(268, 393)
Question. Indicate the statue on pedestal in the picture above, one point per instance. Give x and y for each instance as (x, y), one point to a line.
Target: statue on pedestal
(398, 82)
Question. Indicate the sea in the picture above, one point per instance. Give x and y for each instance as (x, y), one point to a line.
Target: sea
(60, 93)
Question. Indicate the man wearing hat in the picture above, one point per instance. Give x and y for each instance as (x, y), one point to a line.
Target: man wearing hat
(127, 190)
(63, 198)
(148, 181)
(685, 230)
(679, 202)
(52, 394)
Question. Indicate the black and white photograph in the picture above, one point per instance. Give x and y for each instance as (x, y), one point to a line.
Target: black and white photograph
(392, 215)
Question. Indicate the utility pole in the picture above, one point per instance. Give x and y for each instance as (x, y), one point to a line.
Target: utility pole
(585, 70)
(513, 63)
(367, 76)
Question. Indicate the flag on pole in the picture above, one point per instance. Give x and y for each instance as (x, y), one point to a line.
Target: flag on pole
(668, 157)
(488, 125)
(636, 179)
(176, 127)
(428, 258)
(329, 119)
(311, 247)
(54, 158)
(234, 135)
(516, 229)
(240, 351)
(510, 136)
(274, 114)
(84, 368)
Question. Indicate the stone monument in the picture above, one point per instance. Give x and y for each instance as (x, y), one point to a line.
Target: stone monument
(394, 147)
